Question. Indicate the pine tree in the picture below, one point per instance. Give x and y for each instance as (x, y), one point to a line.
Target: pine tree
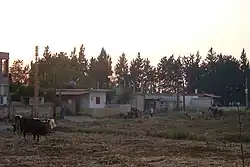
(121, 70)
(104, 69)
(136, 72)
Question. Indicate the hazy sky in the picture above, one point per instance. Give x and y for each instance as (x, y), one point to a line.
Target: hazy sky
(156, 28)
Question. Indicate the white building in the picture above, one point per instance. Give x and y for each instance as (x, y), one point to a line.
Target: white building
(77, 99)
(94, 99)
(168, 101)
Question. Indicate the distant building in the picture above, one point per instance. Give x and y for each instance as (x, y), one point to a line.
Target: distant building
(161, 101)
(4, 78)
(77, 99)
(168, 101)
(4, 84)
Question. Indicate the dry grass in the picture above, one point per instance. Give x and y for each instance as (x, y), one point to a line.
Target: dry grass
(166, 140)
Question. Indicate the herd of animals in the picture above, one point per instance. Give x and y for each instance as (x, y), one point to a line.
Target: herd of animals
(35, 126)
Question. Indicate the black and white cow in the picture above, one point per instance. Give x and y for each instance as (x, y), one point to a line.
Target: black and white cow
(35, 126)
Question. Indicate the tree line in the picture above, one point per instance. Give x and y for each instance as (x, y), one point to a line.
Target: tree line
(219, 74)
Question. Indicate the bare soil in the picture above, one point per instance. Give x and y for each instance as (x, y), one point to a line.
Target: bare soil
(165, 140)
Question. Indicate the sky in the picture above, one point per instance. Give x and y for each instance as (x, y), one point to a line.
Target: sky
(155, 28)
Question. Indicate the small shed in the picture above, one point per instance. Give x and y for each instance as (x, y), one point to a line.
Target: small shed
(76, 99)
(162, 101)
(137, 100)
(201, 100)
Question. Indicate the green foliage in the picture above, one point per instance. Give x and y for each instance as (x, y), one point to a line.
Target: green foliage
(220, 74)
(136, 71)
(121, 70)
(19, 72)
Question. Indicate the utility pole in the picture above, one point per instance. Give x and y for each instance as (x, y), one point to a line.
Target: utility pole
(54, 106)
(246, 92)
(183, 100)
(178, 97)
(36, 85)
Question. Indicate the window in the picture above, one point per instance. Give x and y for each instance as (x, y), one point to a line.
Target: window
(97, 100)
(3, 100)
(4, 67)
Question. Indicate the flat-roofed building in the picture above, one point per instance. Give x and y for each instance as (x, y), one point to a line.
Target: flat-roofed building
(4, 78)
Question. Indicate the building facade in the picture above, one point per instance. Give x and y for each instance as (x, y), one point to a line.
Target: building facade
(94, 99)
(77, 99)
(4, 78)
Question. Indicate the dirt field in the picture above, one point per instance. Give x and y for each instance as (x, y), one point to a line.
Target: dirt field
(165, 140)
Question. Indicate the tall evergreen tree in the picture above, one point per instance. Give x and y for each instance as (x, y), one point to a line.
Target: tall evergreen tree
(191, 71)
(104, 69)
(121, 70)
(83, 78)
(162, 76)
(244, 63)
(136, 72)
(147, 75)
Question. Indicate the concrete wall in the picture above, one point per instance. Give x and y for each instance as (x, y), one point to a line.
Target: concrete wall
(44, 110)
(85, 102)
(92, 99)
(188, 100)
(105, 112)
(201, 102)
(162, 105)
(100, 112)
(4, 80)
(3, 113)
(137, 100)
(124, 108)
(232, 108)
(71, 106)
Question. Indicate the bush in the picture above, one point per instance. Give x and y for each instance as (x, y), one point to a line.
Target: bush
(235, 138)
(179, 135)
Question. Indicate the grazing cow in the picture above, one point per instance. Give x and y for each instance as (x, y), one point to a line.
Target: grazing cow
(35, 126)
(51, 122)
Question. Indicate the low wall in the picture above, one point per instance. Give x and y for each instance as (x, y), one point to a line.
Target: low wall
(232, 108)
(3, 113)
(44, 110)
(199, 108)
(105, 112)
(100, 112)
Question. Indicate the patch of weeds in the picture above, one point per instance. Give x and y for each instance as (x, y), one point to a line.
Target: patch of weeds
(65, 129)
(179, 135)
(183, 115)
(105, 131)
(160, 134)
(235, 138)
(57, 140)
(112, 160)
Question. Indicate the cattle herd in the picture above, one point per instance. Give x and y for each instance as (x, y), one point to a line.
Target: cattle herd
(35, 126)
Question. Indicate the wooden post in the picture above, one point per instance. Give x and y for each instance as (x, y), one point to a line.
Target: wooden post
(177, 97)
(246, 93)
(183, 100)
(54, 105)
(36, 85)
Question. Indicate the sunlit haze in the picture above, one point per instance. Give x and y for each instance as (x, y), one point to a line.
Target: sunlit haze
(156, 28)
